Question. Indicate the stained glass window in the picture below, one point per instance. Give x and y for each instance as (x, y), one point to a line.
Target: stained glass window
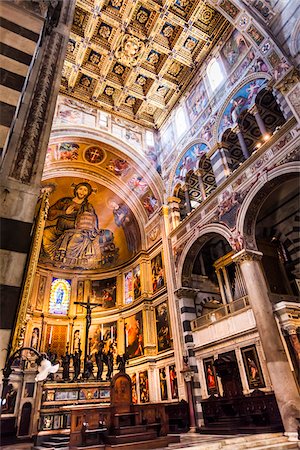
(59, 296)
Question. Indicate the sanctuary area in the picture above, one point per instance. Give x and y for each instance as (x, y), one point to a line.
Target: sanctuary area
(150, 223)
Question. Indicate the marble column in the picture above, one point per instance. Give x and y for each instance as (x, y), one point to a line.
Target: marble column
(188, 378)
(187, 198)
(199, 174)
(242, 142)
(173, 203)
(261, 125)
(282, 379)
(220, 162)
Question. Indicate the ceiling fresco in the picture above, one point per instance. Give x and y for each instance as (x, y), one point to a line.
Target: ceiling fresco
(136, 58)
(88, 227)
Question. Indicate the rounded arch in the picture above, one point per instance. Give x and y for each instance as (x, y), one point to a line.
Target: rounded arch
(176, 166)
(224, 120)
(253, 201)
(196, 242)
(122, 148)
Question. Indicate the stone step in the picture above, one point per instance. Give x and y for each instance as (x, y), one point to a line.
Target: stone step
(51, 444)
(158, 443)
(131, 438)
(133, 429)
(58, 438)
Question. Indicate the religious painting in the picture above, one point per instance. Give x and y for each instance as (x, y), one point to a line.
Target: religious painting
(163, 327)
(252, 367)
(47, 422)
(150, 203)
(80, 296)
(88, 227)
(134, 342)
(158, 276)
(29, 389)
(60, 296)
(104, 292)
(234, 48)
(41, 293)
(163, 384)
(144, 386)
(197, 100)
(256, 35)
(128, 287)
(35, 338)
(173, 381)
(9, 397)
(210, 376)
(56, 339)
(102, 332)
(134, 388)
(67, 151)
(137, 289)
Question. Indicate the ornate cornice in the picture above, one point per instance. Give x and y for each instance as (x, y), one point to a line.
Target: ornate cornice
(247, 255)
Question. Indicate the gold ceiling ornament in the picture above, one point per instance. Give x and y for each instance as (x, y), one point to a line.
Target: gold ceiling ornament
(130, 50)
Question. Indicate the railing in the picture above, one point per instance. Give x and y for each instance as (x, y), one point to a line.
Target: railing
(220, 313)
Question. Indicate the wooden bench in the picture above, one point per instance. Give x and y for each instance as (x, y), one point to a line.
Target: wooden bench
(96, 434)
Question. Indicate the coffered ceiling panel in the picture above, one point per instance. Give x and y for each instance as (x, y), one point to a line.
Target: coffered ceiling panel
(136, 57)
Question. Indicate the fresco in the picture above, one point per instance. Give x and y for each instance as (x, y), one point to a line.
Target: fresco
(197, 101)
(158, 276)
(241, 101)
(88, 227)
(134, 342)
(104, 291)
(189, 161)
(137, 289)
(163, 327)
(234, 48)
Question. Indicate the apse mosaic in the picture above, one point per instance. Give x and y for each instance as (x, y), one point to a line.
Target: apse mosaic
(189, 161)
(102, 156)
(241, 101)
(88, 227)
(59, 296)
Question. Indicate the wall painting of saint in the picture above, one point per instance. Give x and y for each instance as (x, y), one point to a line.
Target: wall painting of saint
(210, 376)
(252, 367)
(157, 270)
(104, 291)
(137, 290)
(163, 384)
(173, 381)
(106, 332)
(163, 327)
(144, 386)
(134, 341)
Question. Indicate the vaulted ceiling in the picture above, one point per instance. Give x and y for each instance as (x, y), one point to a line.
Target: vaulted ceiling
(136, 57)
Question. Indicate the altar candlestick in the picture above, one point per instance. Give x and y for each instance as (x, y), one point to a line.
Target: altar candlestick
(112, 333)
(126, 338)
(102, 334)
(50, 336)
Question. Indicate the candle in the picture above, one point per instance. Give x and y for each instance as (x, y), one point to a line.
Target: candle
(50, 336)
(126, 338)
(102, 332)
(68, 335)
(112, 333)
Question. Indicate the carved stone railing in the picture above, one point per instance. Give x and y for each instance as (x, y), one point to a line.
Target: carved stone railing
(220, 313)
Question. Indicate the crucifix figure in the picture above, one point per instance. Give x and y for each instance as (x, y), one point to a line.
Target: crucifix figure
(89, 307)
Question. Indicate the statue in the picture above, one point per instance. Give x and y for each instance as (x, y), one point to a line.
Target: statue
(76, 363)
(100, 361)
(109, 363)
(89, 367)
(66, 366)
(122, 360)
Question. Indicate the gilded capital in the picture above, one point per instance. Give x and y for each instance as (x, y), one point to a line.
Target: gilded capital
(247, 255)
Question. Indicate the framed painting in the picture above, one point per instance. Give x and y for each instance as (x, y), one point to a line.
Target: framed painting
(158, 277)
(210, 376)
(134, 341)
(173, 381)
(252, 367)
(104, 291)
(144, 386)
(163, 327)
(163, 384)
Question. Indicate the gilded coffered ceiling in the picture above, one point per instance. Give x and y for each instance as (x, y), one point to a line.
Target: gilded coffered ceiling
(136, 57)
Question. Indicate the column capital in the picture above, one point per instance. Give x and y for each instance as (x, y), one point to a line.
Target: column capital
(236, 129)
(173, 200)
(247, 255)
(185, 187)
(253, 109)
(199, 172)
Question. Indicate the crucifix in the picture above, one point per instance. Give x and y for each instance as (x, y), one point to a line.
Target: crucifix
(89, 307)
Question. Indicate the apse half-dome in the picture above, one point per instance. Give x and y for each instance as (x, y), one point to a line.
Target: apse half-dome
(88, 227)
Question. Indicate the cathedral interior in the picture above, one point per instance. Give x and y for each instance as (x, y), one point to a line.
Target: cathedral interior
(150, 246)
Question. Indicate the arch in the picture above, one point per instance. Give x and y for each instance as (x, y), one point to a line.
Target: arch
(240, 99)
(201, 236)
(252, 203)
(192, 152)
